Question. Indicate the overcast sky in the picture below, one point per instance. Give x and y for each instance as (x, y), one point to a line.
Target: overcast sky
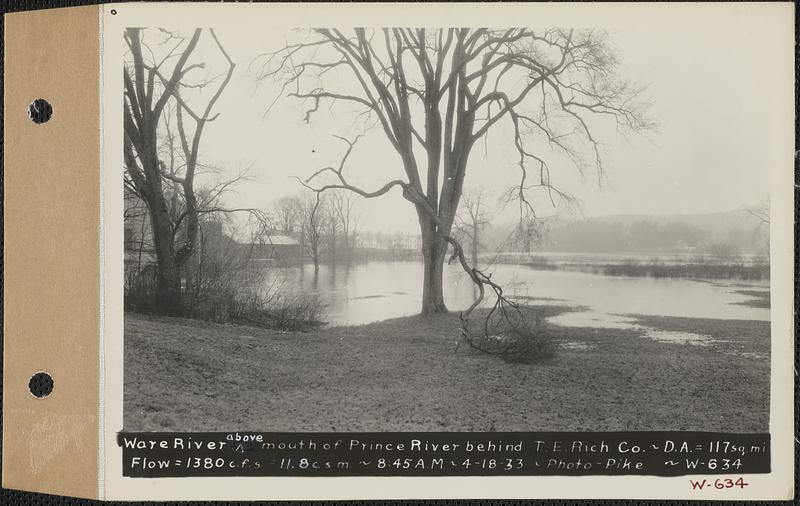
(705, 79)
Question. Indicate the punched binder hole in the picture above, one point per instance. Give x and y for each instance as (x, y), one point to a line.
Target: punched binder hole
(41, 385)
(40, 111)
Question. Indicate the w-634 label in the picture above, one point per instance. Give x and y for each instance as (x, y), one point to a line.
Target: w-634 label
(718, 483)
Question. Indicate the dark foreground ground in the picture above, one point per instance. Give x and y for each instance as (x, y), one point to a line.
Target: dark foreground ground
(404, 375)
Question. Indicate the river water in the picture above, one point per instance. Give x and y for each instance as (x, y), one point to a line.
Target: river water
(376, 291)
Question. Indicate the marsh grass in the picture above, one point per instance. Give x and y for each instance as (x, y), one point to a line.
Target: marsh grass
(692, 270)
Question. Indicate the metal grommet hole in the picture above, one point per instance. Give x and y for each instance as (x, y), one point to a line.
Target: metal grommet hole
(40, 111)
(41, 385)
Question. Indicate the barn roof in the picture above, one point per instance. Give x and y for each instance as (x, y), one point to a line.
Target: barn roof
(281, 239)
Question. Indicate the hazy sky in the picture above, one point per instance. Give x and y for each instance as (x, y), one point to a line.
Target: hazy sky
(706, 80)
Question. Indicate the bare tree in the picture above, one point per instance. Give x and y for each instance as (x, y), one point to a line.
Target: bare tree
(287, 215)
(760, 212)
(148, 88)
(436, 93)
(342, 204)
(529, 231)
(314, 224)
(473, 216)
(333, 225)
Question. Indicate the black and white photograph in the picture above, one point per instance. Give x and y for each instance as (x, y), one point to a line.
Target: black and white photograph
(332, 251)
(447, 228)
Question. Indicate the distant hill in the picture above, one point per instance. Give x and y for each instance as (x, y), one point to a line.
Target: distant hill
(721, 222)
(721, 233)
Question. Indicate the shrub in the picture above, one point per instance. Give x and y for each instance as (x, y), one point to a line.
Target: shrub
(526, 341)
(513, 332)
(226, 287)
(528, 347)
(282, 311)
(139, 290)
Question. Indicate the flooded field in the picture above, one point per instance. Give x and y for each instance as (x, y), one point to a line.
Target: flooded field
(379, 290)
(633, 353)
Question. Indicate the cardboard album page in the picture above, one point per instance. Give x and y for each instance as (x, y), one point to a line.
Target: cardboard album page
(400, 251)
(51, 267)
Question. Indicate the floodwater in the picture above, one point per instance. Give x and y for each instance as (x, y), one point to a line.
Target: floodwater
(376, 291)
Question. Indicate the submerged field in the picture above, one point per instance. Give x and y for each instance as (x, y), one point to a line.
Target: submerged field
(404, 374)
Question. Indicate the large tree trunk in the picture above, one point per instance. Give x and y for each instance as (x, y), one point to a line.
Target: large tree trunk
(185, 255)
(434, 249)
(168, 281)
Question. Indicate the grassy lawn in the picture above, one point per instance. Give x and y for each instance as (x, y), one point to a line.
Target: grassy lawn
(405, 375)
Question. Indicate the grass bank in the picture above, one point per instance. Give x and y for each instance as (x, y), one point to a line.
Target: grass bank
(403, 375)
(697, 270)
(761, 298)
